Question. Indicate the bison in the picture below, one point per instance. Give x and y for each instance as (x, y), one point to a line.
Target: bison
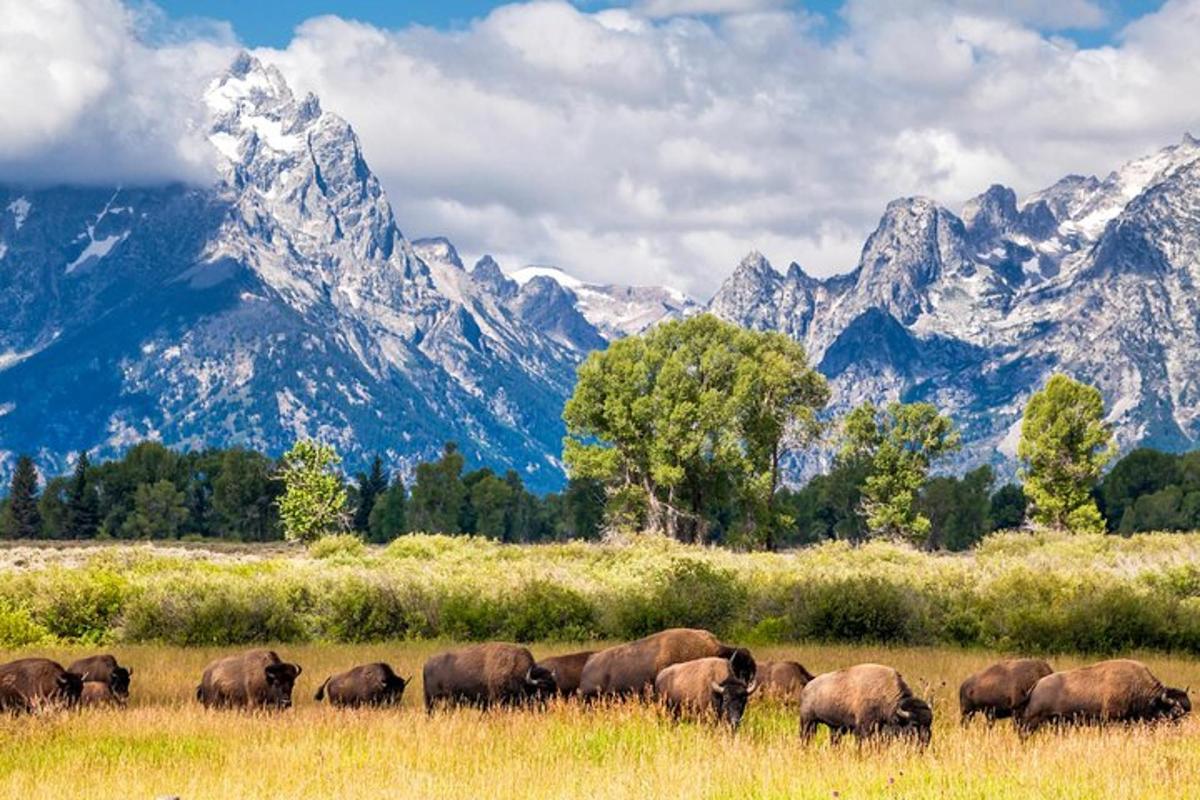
(997, 691)
(366, 685)
(105, 669)
(782, 680)
(254, 679)
(705, 687)
(1121, 690)
(100, 694)
(12, 701)
(485, 675)
(567, 670)
(32, 683)
(629, 669)
(867, 700)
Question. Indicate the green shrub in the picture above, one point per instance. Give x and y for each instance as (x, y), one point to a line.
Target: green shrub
(342, 546)
(369, 609)
(80, 606)
(859, 609)
(544, 611)
(18, 629)
(688, 594)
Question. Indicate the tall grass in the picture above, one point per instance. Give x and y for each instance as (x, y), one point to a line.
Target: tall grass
(1027, 592)
(165, 744)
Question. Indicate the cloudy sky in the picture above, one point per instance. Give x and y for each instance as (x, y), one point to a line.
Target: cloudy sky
(647, 141)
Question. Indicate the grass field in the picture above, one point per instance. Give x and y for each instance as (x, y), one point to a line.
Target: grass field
(164, 744)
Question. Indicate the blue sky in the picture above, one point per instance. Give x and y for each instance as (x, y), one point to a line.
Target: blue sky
(270, 24)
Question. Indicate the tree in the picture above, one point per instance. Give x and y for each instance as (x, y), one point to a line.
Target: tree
(1008, 507)
(388, 519)
(957, 509)
(692, 408)
(245, 496)
(438, 494)
(83, 506)
(22, 519)
(900, 443)
(159, 510)
(1064, 446)
(53, 507)
(370, 486)
(314, 499)
(1143, 471)
(492, 499)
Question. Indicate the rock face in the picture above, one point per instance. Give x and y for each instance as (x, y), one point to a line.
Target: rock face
(1092, 277)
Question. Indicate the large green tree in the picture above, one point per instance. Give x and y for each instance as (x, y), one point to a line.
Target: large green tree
(314, 497)
(245, 496)
(83, 504)
(159, 511)
(900, 443)
(438, 494)
(1064, 446)
(22, 518)
(388, 516)
(370, 485)
(957, 508)
(667, 419)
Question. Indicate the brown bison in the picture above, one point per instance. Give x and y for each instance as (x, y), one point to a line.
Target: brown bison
(1121, 690)
(705, 687)
(782, 680)
(866, 700)
(631, 668)
(254, 679)
(366, 685)
(106, 670)
(32, 683)
(567, 670)
(100, 694)
(485, 675)
(998, 690)
(12, 701)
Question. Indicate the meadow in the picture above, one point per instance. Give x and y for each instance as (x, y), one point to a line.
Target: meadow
(165, 744)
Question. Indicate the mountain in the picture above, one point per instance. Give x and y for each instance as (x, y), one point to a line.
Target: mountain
(973, 311)
(282, 301)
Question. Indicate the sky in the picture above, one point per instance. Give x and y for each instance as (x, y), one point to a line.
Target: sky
(645, 141)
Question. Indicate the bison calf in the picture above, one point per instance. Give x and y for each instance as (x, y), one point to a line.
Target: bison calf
(98, 694)
(705, 687)
(997, 691)
(485, 675)
(1121, 690)
(366, 685)
(105, 669)
(567, 670)
(866, 700)
(32, 683)
(782, 680)
(631, 668)
(254, 679)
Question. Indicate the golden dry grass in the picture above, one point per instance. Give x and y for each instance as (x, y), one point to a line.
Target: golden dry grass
(165, 744)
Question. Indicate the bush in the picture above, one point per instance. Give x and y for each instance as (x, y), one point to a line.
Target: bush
(342, 546)
(859, 609)
(688, 594)
(369, 609)
(17, 628)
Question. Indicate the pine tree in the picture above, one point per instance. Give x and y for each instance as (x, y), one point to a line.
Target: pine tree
(23, 519)
(370, 487)
(83, 513)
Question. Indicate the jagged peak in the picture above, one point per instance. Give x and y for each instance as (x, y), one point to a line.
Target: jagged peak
(248, 81)
(438, 248)
(486, 270)
(755, 265)
(1190, 140)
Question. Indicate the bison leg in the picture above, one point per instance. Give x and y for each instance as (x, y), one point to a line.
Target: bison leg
(808, 729)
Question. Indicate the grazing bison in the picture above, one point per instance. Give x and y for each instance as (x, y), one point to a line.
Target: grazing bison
(866, 700)
(485, 675)
(704, 687)
(367, 685)
(782, 680)
(100, 694)
(1121, 690)
(12, 701)
(997, 691)
(254, 679)
(567, 670)
(106, 670)
(32, 683)
(631, 668)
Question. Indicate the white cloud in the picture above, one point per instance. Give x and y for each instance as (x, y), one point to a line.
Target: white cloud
(626, 146)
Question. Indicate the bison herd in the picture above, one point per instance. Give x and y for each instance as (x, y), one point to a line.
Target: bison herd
(689, 672)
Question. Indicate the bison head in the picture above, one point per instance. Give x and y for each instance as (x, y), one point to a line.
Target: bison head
(281, 678)
(540, 683)
(1172, 703)
(69, 688)
(742, 665)
(729, 699)
(120, 681)
(393, 688)
(914, 717)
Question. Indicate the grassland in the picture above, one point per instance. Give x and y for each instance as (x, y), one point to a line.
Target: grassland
(165, 744)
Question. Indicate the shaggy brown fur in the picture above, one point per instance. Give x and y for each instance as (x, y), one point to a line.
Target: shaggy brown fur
(782, 680)
(704, 688)
(39, 682)
(866, 700)
(103, 668)
(367, 685)
(997, 690)
(489, 674)
(99, 693)
(631, 668)
(1121, 690)
(254, 679)
(567, 670)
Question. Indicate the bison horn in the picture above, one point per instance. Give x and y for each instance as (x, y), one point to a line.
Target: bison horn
(529, 677)
(752, 688)
(903, 713)
(718, 688)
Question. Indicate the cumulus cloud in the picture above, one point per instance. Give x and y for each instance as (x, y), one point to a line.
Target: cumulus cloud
(660, 141)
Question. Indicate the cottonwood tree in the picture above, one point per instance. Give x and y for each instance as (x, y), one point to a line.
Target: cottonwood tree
(1064, 446)
(314, 498)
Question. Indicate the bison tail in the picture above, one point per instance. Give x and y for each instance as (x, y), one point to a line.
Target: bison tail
(320, 695)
